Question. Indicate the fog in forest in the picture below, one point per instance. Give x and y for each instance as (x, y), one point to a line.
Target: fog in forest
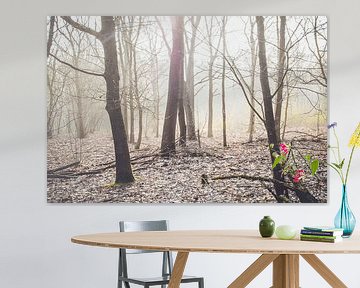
(187, 109)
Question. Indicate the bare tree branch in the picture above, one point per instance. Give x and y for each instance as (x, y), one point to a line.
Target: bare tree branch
(76, 68)
(232, 68)
(163, 35)
(81, 26)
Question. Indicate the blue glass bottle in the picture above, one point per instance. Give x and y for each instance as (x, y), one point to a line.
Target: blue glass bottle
(345, 219)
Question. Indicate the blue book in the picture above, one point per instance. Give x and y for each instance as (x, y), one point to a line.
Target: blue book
(322, 231)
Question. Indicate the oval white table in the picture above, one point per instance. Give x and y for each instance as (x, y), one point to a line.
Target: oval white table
(284, 254)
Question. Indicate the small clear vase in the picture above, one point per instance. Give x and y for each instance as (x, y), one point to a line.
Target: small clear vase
(345, 219)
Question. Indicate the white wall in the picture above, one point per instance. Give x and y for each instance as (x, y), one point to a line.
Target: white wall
(35, 248)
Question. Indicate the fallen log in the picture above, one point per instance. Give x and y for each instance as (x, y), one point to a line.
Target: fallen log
(63, 167)
(60, 176)
(72, 174)
(304, 196)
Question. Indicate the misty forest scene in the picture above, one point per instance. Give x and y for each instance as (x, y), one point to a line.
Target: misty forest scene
(187, 109)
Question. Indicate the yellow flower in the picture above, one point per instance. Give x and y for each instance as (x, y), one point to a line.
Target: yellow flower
(355, 138)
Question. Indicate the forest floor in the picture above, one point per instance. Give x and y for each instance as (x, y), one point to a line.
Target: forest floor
(176, 179)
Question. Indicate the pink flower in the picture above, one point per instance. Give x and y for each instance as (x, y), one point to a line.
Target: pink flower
(284, 149)
(299, 175)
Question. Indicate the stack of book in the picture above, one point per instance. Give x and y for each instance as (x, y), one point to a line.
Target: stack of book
(321, 234)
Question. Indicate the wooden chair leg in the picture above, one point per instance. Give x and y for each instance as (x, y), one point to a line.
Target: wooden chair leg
(324, 271)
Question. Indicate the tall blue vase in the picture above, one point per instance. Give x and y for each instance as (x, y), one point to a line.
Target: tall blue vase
(345, 219)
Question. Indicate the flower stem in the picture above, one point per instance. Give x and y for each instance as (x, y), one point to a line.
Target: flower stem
(338, 146)
(350, 159)
(348, 166)
(339, 160)
(337, 171)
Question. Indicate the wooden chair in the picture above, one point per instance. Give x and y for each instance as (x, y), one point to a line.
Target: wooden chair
(167, 262)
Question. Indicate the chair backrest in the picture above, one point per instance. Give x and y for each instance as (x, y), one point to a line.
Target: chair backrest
(134, 226)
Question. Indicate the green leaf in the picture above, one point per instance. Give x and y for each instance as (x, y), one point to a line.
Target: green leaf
(275, 154)
(342, 164)
(334, 167)
(276, 161)
(271, 146)
(339, 166)
(307, 158)
(314, 166)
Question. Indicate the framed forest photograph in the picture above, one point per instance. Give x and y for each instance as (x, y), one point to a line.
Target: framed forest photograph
(187, 109)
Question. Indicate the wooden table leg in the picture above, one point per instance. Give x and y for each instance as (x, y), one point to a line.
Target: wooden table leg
(178, 270)
(253, 270)
(286, 271)
(293, 264)
(324, 271)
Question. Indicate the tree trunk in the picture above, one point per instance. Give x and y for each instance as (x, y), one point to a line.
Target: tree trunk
(213, 54)
(76, 53)
(138, 103)
(124, 96)
(126, 37)
(251, 129)
(176, 78)
(281, 62)
(318, 121)
(286, 110)
(138, 142)
(131, 95)
(223, 85)
(155, 92)
(51, 35)
(113, 107)
(79, 121)
(269, 114)
(211, 99)
(50, 110)
(181, 117)
(157, 106)
(190, 92)
(189, 113)
(131, 43)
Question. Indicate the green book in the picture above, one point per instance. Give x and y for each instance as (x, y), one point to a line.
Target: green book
(325, 240)
(319, 236)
